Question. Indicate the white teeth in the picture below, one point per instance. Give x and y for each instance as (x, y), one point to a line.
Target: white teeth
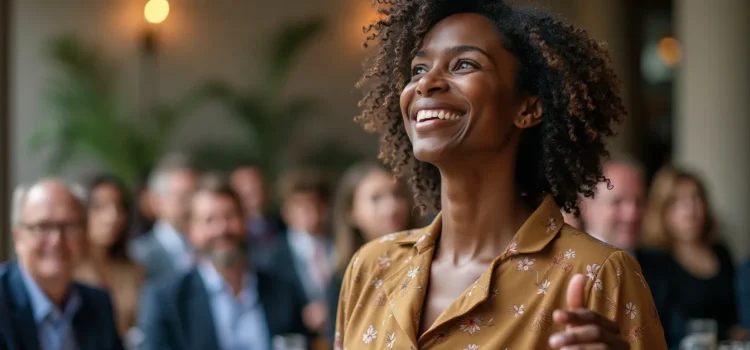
(440, 114)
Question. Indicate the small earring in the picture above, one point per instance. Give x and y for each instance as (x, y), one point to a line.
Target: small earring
(522, 122)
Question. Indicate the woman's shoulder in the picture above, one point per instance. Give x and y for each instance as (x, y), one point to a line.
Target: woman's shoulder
(389, 249)
(132, 270)
(587, 244)
(578, 251)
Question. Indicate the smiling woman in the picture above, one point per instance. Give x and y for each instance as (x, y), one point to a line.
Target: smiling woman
(499, 115)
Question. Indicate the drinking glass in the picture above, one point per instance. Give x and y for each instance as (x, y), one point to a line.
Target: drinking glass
(701, 335)
(734, 345)
(289, 342)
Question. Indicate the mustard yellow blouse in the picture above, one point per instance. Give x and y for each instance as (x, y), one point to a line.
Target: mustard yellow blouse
(509, 307)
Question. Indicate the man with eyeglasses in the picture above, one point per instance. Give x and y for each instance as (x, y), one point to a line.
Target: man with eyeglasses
(41, 307)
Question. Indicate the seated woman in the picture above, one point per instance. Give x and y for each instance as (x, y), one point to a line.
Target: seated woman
(107, 264)
(679, 221)
(369, 204)
(499, 116)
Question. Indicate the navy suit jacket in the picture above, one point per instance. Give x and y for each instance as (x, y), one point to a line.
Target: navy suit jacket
(94, 324)
(743, 294)
(286, 266)
(176, 315)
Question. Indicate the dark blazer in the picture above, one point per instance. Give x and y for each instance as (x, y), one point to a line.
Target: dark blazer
(743, 294)
(151, 254)
(177, 314)
(94, 323)
(332, 298)
(286, 266)
(656, 267)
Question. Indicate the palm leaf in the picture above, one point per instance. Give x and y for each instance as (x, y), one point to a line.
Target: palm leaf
(86, 115)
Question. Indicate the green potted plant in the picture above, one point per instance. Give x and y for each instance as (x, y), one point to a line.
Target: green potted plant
(87, 117)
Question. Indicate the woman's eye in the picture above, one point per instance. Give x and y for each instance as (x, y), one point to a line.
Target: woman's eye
(462, 65)
(418, 70)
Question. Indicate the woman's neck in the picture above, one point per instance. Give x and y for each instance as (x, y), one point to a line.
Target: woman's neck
(689, 246)
(99, 255)
(481, 210)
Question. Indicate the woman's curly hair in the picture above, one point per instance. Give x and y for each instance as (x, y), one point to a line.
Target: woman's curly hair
(566, 69)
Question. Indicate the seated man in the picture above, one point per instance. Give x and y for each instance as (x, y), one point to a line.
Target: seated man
(223, 302)
(40, 306)
(164, 252)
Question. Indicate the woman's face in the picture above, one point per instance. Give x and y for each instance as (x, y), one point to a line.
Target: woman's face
(686, 215)
(380, 206)
(462, 97)
(106, 216)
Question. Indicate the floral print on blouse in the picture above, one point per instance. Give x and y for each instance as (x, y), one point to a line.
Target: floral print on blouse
(509, 307)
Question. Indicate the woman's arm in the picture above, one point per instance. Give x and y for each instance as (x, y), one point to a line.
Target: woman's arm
(620, 293)
(619, 312)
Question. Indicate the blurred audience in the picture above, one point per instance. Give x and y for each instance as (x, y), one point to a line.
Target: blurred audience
(369, 204)
(106, 263)
(303, 254)
(41, 307)
(143, 211)
(615, 216)
(679, 220)
(225, 273)
(164, 251)
(262, 228)
(222, 303)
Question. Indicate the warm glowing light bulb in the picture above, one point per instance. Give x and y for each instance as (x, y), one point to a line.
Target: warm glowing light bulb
(670, 51)
(156, 11)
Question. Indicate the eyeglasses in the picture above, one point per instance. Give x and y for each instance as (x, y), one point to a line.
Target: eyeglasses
(45, 229)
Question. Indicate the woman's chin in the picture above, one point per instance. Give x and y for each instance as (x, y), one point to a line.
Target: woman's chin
(432, 155)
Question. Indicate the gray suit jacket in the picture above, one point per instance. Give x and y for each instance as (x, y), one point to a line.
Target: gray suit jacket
(151, 254)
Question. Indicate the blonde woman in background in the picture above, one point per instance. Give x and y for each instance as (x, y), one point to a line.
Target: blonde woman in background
(107, 264)
(679, 220)
(369, 204)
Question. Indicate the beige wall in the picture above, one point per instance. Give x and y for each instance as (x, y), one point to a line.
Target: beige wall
(713, 108)
(201, 39)
(4, 142)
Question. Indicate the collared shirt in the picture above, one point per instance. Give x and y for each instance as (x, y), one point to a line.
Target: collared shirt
(175, 244)
(54, 326)
(313, 259)
(239, 320)
(509, 307)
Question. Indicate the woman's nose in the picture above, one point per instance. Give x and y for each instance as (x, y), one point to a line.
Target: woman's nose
(431, 83)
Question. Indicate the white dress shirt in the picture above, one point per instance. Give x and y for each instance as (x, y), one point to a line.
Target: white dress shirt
(176, 245)
(311, 254)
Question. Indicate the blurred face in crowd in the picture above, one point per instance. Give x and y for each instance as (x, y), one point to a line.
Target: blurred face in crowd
(172, 202)
(50, 237)
(106, 215)
(615, 215)
(249, 183)
(685, 215)
(380, 206)
(305, 211)
(216, 229)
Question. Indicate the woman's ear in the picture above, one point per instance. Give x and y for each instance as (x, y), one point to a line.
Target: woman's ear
(529, 114)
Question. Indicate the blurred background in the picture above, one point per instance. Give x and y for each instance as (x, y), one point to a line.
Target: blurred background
(115, 85)
(198, 80)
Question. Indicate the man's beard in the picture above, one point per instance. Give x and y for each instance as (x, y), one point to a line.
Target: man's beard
(239, 254)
